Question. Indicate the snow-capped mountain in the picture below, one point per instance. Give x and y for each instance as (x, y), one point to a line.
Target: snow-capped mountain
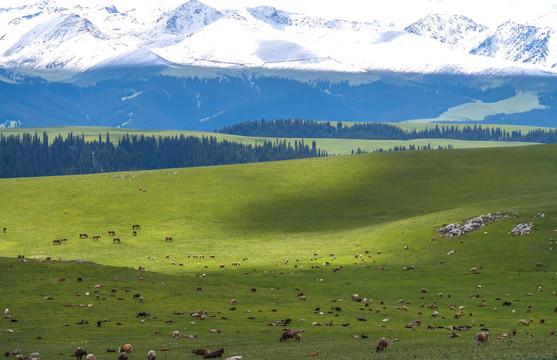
(48, 37)
(47, 47)
(456, 30)
(184, 20)
(521, 43)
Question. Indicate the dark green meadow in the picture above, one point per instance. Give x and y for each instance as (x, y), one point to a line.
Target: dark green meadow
(338, 210)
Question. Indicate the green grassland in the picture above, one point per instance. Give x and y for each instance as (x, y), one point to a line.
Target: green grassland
(332, 146)
(258, 215)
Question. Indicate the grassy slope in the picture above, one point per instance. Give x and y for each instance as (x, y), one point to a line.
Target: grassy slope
(332, 146)
(269, 212)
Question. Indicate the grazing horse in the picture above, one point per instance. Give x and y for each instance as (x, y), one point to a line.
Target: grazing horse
(134, 233)
(4, 229)
(64, 240)
(79, 352)
(116, 241)
(111, 233)
(96, 237)
(56, 242)
(83, 236)
(168, 239)
(135, 227)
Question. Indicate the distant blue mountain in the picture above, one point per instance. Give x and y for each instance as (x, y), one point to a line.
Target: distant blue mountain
(197, 103)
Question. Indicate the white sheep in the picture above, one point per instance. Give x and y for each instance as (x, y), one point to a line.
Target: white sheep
(176, 334)
(151, 355)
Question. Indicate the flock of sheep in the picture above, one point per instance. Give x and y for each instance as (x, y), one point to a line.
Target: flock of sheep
(481, 337)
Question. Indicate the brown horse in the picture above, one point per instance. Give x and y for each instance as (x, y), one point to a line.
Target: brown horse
(79, 352)
(83, 236)
(136, 227)
(134, 233)
(111, 233)
(168, 239)
(56, 242)
(64, 240)
(116, 241)
(96, 237)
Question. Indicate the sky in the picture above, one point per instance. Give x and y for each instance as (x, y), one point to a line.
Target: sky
(399, 12)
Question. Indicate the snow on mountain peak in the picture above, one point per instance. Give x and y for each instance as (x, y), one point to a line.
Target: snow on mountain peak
(519, 43)
(271, 15)
(46, 35)
(187, 18)
(450, 29)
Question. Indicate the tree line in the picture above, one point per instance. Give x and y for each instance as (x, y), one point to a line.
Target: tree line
(296, 128)
(31, 155)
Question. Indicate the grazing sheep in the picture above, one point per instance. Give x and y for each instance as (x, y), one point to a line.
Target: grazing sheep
(127, 348)
(151, 355)
(314, 353)
(354, 297)
(237, 357)
(214, 354)
(123, 355)
(201, 352)
(176, 334)
(524, 322)
(382, 344)
(482, 337)
(91, 357)
(79, 352)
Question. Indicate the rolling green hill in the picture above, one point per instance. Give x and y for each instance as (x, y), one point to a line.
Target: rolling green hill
(239, 224)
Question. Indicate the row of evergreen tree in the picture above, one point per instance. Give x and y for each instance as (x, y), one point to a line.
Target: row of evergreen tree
(288, 128)
(31, 155)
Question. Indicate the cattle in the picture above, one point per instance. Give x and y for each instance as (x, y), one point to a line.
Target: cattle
(382, 344)
(290, 334)
(482, 337)
(79, 352)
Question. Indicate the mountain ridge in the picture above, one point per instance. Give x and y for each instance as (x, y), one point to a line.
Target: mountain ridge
(189, 35)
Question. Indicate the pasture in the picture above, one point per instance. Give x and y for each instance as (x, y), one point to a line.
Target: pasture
(234, 227)
(332, 146)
